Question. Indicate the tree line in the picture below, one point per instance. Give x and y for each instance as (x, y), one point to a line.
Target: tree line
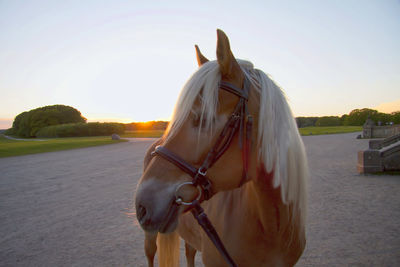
(59, 121)
(356, 117)
(66, 121)
(81, 129)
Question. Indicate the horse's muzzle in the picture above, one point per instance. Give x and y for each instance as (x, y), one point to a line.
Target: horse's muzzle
(164, 221)
(156, 210)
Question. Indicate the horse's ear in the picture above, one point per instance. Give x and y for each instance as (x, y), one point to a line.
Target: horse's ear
(200, 58)
(228, 65)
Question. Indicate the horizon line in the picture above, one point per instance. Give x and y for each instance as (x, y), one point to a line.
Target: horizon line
(6, 123)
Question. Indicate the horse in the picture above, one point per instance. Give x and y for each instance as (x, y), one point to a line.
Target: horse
(258, 201)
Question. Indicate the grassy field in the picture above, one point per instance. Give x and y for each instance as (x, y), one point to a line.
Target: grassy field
(10, 148)
(329, 130)
(303, 131)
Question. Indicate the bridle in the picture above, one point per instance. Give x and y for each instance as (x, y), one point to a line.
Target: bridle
(240, 122)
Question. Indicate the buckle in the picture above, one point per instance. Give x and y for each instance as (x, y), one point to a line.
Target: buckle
(201, 180)
(202, 172)
(235, 116)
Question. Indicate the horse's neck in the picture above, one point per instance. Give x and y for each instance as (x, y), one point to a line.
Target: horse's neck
(251, 219)
(275, 217)
(264, 201)
(257, 203)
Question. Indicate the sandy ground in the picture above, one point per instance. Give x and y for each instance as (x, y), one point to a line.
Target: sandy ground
(74, 208)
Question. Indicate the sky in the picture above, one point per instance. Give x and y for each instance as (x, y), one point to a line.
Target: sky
(128, 60)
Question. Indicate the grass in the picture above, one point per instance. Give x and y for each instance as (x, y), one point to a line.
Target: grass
(9, 148)
(303, 131)
(329, 130)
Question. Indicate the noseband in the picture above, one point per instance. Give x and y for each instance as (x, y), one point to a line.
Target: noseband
(240, 121)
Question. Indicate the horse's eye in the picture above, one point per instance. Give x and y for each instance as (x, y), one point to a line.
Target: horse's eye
(198, 121)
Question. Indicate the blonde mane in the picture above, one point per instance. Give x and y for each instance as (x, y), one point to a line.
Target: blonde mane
(280, 148)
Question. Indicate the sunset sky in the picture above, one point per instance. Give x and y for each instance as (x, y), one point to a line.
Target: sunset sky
(127, 60)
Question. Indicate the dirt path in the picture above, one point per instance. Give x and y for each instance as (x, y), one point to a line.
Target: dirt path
(354, 220)
(72, 208)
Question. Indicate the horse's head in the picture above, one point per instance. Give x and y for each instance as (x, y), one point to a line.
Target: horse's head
(202, 119)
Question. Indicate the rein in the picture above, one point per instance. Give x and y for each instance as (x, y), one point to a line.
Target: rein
(240, 121)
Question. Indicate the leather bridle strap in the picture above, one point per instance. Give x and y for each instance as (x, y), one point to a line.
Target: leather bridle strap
(234, 90)
(175, 159)
(205, 223)
(204, 183)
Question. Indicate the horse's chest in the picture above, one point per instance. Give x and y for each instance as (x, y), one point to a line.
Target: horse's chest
(243, 235)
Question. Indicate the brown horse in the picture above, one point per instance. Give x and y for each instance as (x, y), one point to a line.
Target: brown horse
(261, 221)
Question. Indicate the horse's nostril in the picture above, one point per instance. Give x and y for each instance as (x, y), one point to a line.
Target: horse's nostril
(141, 212)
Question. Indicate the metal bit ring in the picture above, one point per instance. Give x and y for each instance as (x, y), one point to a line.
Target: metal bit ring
(179, 200)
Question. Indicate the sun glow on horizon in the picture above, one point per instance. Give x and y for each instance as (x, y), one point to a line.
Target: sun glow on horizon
(127, 60)
(120, 120)
(389, 107)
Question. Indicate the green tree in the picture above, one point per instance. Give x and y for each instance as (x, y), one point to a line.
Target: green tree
(358, 117)
(395, 117)
(28, 123)
(306, 121)
(383, 118)
(328, 121)
(344, 119)
(81, 129)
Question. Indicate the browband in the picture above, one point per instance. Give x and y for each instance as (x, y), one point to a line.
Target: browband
(242, 93)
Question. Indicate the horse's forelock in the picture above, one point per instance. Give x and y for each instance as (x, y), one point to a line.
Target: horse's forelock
(202, 85)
